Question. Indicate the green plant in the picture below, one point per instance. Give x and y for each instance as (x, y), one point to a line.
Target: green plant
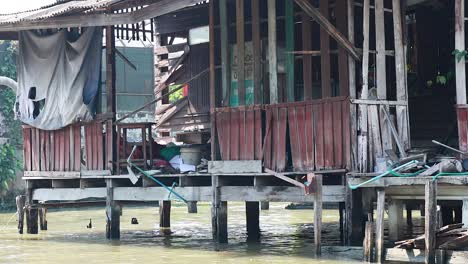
(176, 95)
(9, 164)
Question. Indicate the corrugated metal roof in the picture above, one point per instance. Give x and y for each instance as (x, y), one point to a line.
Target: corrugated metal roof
(57, 9)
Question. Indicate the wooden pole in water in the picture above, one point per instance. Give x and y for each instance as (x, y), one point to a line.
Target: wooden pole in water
(112, 212)
(265, 206)
(222, 224)
(430, 224)
(20, 203)
(31, 213)
(192, 207)
(252, 213)
(318, 215)
(165, 214)
(368, 241)
(379, 226)
(43, 218)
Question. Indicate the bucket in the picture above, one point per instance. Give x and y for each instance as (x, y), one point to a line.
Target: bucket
(191, 155)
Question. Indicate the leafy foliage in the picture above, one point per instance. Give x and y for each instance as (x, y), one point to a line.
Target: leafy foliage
(8, 165)
(460, 54)
(9, 162)
(176, 95)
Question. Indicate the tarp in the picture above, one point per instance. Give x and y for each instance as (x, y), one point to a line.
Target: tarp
(65, 71)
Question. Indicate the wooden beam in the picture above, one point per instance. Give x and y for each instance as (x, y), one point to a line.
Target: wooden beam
(343, 67)
(352, 87)
(400, 72)
(109, 19)
(327, 26)
(285, 178)
(165, 214)
(430, 223)
(325, 53)
(225, 64)
(460, 74)
(395, 220)
(380, 48)
(240, 33)
(214, 143)
(289, 64)
(256, 52)
(272, 58)
(307, 59)
(110, 97)
(362, 121)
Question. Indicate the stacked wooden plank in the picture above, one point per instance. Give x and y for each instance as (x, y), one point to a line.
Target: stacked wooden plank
(450, 237)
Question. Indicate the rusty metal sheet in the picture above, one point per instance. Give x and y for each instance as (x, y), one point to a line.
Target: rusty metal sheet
(240, 132)
(462, 117)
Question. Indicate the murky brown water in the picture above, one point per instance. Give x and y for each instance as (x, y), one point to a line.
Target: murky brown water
(287, 237)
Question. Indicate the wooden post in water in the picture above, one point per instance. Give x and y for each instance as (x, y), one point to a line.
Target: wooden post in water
(252, 213)
(318, 215)
(369, 241)
(31, 213)
(192, 207)
(165, 214)
(265, 206)
(430, 224)
(20, 203)
(409, 215)
(218, 213)
(379, 226)
(222, 222)
(395, 220)
(43, 218)
(465, 213)
(112, 213)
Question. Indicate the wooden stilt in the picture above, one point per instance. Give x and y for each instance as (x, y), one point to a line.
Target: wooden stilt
(192, 207)
(214, 207)
(265, 205)
(165, 214)
(252, 211)
(369, 241)
(395, 220)
(222, 222)
(430, 224)
(31, 213)
(112, 213)
(447, 215)
(409, 215)
(354, 217)
(318, 215)
(218, 213)
(20, 203)
(379, 226)
(465, 213)
(43, 218)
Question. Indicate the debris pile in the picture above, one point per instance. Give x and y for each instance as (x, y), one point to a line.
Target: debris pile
(450, 237)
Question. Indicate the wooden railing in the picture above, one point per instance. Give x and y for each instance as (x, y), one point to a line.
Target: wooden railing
(65, 152)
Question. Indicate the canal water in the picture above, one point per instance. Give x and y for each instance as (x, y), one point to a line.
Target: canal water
(287, 237)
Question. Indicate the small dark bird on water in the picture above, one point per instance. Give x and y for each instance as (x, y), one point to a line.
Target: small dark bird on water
(90, 225)
(134, 221)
